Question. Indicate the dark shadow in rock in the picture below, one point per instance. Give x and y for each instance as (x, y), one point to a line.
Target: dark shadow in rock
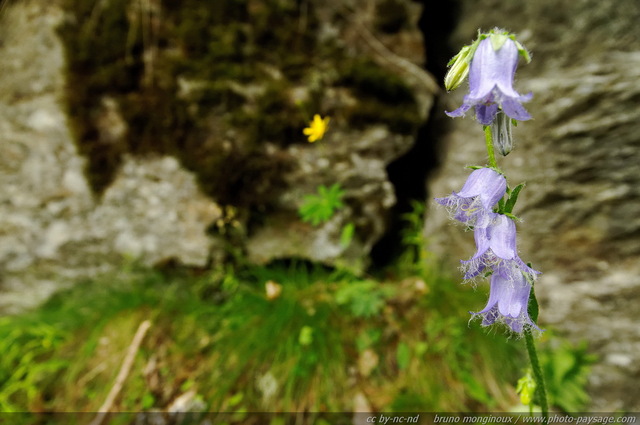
(409, 173)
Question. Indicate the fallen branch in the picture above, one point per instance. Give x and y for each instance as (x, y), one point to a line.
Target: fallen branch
(125, 369)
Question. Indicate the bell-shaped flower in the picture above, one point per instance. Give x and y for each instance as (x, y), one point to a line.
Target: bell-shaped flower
(473, 205)
(496, 250)
(508, 303)
(491, 76)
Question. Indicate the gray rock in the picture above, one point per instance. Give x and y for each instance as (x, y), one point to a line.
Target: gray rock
(53, 229)
(154, 211)
(82, 191)
(359, 166)
(357, 159)
(579, 157)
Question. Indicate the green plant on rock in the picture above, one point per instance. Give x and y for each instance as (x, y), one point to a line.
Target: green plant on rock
(320, 208)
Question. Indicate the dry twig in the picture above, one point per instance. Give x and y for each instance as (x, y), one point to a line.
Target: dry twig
(125, 369)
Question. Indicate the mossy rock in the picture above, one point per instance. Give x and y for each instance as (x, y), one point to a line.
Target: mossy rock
(391, 16)
(180, 78)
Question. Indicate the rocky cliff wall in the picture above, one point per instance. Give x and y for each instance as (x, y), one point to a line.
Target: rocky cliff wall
(165, 131)
(54, 229)
(580, 158)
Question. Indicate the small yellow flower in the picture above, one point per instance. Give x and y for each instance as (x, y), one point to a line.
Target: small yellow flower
(316, 128)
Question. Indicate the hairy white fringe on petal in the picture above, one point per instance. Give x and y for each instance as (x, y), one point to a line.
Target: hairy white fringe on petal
(509, 269)
(469, 211)
(516, 325)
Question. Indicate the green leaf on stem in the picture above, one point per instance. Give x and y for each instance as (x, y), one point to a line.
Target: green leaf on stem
(513, 197)
(512, 217)
(533, 308)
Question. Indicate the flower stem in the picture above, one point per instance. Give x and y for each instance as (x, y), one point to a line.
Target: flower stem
(489, 142)
(537, 373)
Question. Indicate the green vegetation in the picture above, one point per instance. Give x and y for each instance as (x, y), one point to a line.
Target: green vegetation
(292, 336)
(566, 369)
(319, 208)
(326, 336)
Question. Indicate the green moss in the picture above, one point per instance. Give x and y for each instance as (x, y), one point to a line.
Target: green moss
(403, 119)
(97, 68)
(218, 68)
(383, 98)
(369, 79)
(391, 16)
(205, 43)
(273, 118)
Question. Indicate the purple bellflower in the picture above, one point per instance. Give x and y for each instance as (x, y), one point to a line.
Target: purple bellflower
(508, 302)
(474, 203)
(491, 73)
(496, 249)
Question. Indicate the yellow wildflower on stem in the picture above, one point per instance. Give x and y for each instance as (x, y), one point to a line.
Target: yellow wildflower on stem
(316, 128)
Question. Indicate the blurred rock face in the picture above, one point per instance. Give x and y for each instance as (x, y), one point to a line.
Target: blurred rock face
(157, 130)
(54, 230)
(579, 157)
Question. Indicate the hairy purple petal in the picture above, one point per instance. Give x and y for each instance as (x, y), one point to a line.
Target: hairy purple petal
(486, 183)
(460, 111)
(483, 243)
(496, 250)
(502, 237)
(486, 114)
(514, 109)
(474, 203)
(508, 302)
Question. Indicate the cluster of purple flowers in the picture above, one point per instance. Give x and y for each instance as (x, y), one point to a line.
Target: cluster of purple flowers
(491, 64)
(497, 255)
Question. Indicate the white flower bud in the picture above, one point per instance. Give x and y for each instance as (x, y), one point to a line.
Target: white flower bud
(459, 69)
(501, 133)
